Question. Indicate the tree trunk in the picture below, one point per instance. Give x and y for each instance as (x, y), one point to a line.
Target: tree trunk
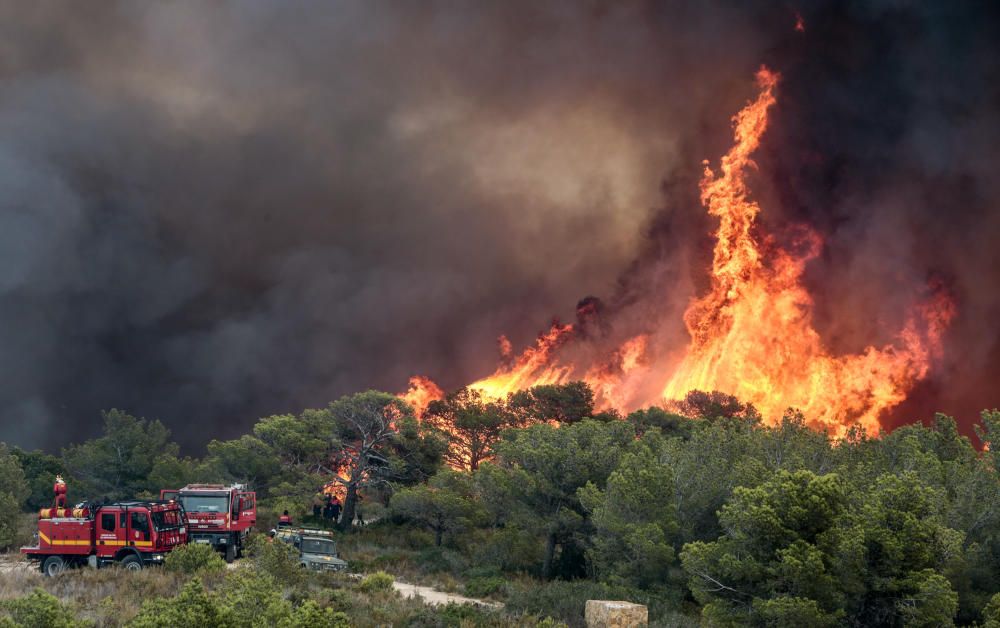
(550, 552)
(350, 507)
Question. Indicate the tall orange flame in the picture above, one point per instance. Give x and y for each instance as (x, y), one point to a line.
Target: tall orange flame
(421, 393)
(535, 367)
(752, 334)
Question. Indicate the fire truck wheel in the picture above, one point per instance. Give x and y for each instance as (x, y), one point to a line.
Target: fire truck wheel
(132, 563)
(230, 553)
(53, 565)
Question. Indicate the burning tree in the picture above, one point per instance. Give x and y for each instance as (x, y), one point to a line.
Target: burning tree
(473, 421)
(358, 441)
(379, 440)
(698, 404)
(472, 425)
(565, 403)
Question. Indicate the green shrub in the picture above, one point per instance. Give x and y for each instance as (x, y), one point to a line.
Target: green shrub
(336, 598)
(10, 514)
(378, 581)
(194, 558)
(412, 538)
(991, 613)
(245, 599)
(277, 558)
(440, 560)
(795, 611)
(359, 564)
(392, 558)
(482, 571)
(484, 586)
(466, 614)
(560, 600)
(191, 607)
(39, 609)
(311, 615)
(254, 598)
(566, 601)
(510, 550)
(455, 616)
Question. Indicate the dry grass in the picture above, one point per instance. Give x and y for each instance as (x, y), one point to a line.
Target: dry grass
(408, 554)
(110, 596)
(113, 597)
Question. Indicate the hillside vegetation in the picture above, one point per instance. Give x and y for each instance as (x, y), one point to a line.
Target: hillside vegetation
(703, 513)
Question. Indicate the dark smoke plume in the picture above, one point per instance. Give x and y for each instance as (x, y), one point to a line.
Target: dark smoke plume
(210, 212)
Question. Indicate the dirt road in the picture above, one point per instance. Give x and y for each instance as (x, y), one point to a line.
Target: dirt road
(438, 598)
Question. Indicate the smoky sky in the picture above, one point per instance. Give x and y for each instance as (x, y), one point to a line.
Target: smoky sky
(212, 212)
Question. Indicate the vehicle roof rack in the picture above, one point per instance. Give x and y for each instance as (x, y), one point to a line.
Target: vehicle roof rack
(315, 532)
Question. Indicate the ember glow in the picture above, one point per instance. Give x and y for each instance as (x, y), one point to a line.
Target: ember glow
(751, 334)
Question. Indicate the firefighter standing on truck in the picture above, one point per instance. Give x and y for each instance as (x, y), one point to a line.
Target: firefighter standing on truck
(59, 488)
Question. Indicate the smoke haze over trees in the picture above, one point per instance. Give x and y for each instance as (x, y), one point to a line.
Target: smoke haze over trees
(211, 213)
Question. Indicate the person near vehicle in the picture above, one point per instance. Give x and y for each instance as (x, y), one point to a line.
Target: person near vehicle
(335, 509)
(284, 520)
(317, 509)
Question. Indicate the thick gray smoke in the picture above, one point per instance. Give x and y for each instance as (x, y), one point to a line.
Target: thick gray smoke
(210, 212)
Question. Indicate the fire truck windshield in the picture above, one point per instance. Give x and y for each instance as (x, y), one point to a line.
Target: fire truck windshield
(205, 503)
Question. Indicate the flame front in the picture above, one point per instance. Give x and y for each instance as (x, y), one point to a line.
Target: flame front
(752, 334)
(421, 393)
(537, 366)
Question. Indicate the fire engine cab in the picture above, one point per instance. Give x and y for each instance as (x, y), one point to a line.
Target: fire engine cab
(133, 534)
(219, 515)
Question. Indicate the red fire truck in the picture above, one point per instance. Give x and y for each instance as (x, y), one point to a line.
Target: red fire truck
(133, 534)
(219, 515)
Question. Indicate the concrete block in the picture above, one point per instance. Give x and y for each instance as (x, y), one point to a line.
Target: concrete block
(613, 614)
